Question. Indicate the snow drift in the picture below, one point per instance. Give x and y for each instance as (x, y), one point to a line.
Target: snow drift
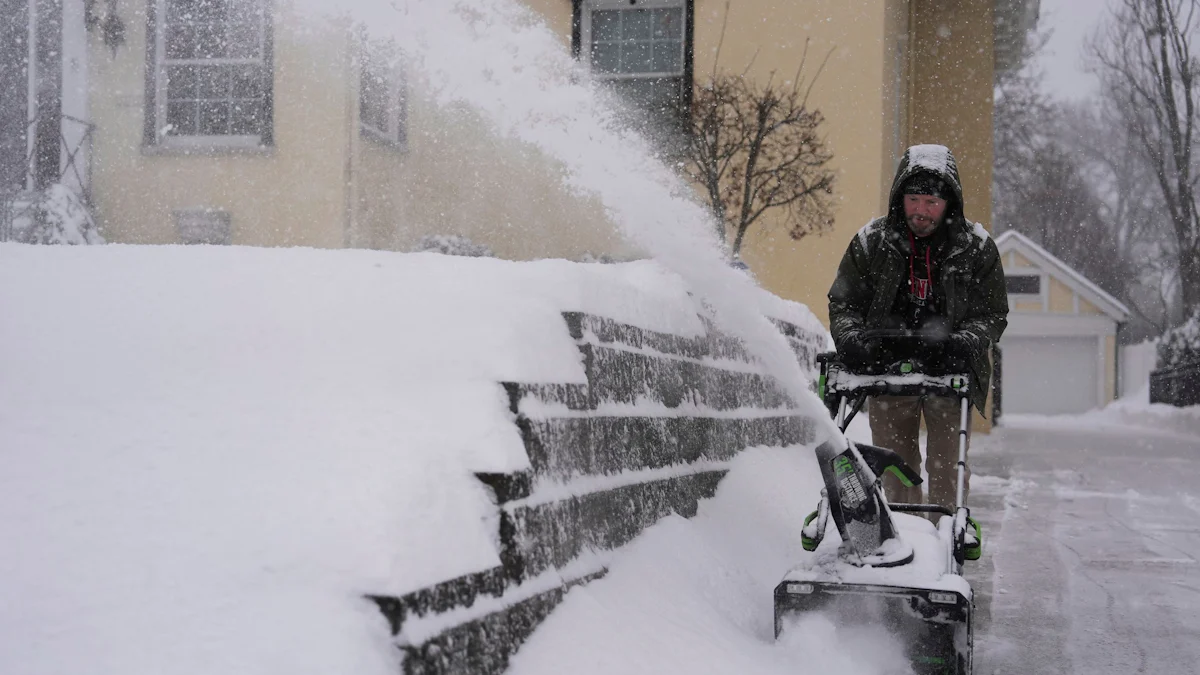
(210, 454)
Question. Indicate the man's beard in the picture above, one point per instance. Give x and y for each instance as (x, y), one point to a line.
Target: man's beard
(923, 227)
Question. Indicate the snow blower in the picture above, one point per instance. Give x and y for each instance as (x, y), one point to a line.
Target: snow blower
(899, 571)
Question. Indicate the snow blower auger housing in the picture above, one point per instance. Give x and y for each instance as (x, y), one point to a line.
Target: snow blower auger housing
(887, 567)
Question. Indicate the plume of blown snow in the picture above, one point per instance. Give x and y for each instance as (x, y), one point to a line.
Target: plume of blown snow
(499, 58)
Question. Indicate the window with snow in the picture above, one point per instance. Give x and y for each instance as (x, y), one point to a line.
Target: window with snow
(210, 80)
(382, 95)
(642, 49)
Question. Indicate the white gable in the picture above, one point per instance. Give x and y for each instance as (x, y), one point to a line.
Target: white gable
(1044, 260)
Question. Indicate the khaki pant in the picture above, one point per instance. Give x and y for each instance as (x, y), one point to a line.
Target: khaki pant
(896, 425)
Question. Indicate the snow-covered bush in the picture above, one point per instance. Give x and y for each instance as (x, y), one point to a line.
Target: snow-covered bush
(453, 244)
(59, 216)
(1180, 344)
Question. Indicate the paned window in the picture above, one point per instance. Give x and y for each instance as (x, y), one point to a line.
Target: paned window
(212, 73)
(382, 95)
(641, 49)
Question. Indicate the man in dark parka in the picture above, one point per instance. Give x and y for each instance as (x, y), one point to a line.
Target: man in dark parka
(925, 267)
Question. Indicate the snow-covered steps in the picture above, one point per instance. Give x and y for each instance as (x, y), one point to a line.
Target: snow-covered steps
(650, 433)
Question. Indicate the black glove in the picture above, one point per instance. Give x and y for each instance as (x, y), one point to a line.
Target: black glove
(857, 349)
(960, 346)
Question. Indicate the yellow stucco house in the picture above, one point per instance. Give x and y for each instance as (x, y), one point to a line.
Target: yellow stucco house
(238, 121)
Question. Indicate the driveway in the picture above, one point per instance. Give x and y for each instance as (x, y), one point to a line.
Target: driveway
(1092, 535)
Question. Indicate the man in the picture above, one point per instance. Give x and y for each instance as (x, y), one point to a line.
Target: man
(926, 268)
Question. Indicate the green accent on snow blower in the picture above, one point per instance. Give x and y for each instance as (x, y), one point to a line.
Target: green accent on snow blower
(842, 465)
(975, 551)
(906, 367)
(934, 665)
(821, 386)
(809, 543)
(895, 471)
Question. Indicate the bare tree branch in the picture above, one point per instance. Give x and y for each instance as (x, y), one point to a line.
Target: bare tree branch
(758, 147)
(1147, 67)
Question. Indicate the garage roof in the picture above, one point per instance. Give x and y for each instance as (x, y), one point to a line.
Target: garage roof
(1015, 241)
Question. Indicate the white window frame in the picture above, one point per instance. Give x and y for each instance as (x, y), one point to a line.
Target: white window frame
(160, 85)
(396, 135)
(587, 8)
(1041, 297)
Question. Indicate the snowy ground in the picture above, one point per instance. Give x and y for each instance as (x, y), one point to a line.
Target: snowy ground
(1092, 565)
(1089, 564)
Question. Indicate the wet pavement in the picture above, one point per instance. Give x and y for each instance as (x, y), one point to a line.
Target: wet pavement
(1091, 547)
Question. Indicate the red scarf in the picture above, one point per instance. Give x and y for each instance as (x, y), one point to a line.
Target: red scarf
(919, 287)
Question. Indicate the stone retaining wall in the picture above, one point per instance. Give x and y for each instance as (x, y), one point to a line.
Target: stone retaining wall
(650, 434)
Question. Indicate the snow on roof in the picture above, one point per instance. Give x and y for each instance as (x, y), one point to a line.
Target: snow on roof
(1081, 284)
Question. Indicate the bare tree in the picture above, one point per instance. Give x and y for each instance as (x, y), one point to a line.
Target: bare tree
(1070, 178)
(1138, 227)
(1146, 64)
(1022, 123)
(755, 148)
(1042, 185)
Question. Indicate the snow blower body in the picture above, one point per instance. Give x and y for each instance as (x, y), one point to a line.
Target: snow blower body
(889, 565)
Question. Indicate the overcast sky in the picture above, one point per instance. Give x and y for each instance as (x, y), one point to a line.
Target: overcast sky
(1071, 21)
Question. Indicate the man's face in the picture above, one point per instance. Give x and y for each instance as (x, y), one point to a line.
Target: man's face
(923, 213)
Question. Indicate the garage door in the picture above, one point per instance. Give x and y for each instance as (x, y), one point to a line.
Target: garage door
(1049, 375)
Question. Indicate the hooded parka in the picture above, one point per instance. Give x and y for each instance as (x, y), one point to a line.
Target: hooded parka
(876, 268)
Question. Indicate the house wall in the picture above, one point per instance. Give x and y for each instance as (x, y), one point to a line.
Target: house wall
(1026, 306)
(1061, 297)
(456, 177)
(459, 178)
(857, 93)
(324, 185)
(290, 195)
(453, 162)
(951, 89)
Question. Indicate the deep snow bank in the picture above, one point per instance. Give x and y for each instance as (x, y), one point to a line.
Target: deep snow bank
(207, 455)
(1133, 411)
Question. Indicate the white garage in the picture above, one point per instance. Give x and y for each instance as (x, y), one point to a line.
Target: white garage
(1059, 354)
